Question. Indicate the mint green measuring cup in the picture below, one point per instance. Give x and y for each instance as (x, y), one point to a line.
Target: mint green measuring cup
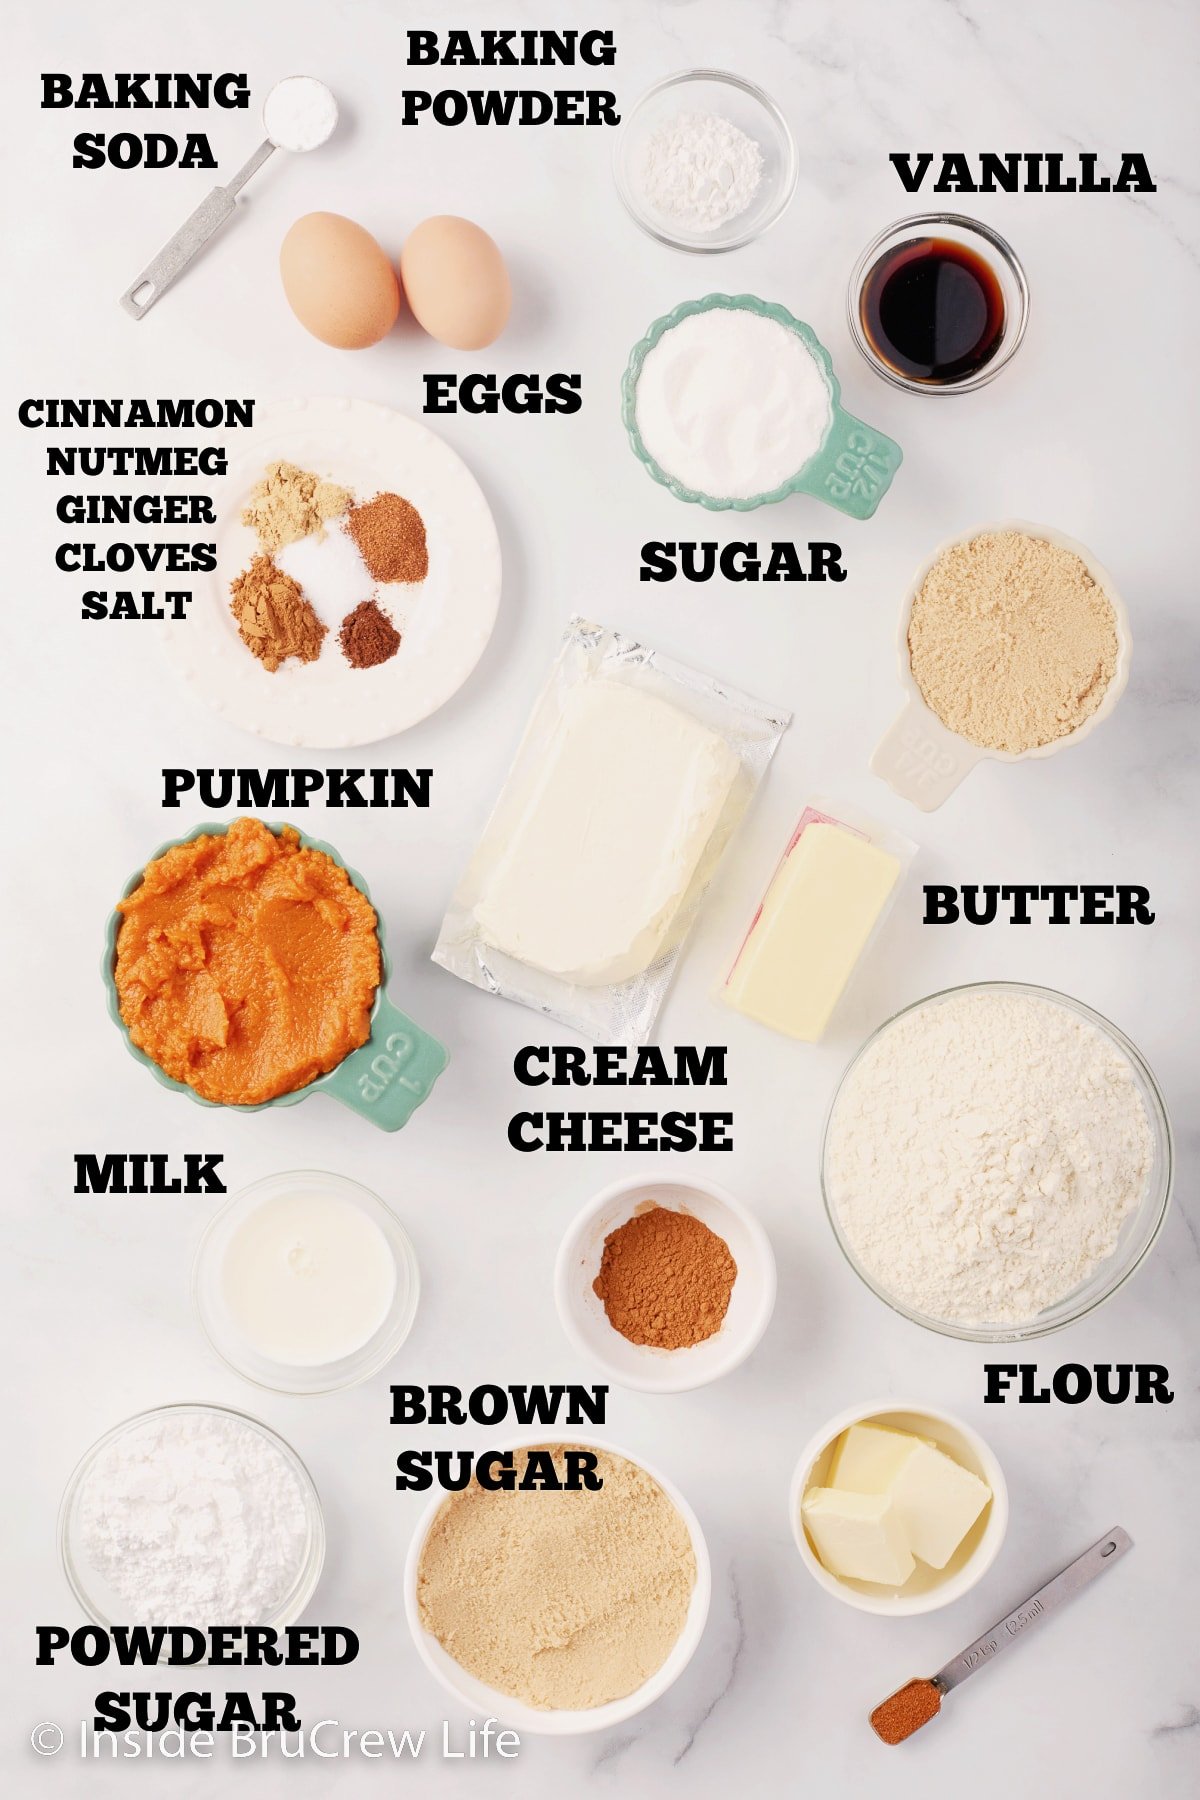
(385, 1079)
(853, 468)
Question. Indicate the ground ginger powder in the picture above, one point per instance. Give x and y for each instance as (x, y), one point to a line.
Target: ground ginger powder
(289, 503)
(247, 963)
(561, 1599)
(1011, 642)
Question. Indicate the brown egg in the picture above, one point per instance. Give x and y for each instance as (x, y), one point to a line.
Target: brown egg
(456, 282)
(338, 281)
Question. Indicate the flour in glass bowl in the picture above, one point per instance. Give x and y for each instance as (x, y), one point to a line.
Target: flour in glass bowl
(983, 1154)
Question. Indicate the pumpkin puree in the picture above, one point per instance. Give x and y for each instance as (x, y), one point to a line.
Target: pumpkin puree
(247, 965)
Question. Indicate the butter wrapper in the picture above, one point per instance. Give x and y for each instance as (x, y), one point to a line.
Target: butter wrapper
(632, 776)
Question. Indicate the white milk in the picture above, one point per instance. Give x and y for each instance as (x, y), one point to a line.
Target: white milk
(308, 1278)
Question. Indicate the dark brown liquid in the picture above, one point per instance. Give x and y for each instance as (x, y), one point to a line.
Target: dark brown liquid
(933, 310)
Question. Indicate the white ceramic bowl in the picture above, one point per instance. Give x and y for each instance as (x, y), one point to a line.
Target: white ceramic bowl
(920, 757)
(645, 1366)
(744, 105)
(487, 1701)
(926, 1590)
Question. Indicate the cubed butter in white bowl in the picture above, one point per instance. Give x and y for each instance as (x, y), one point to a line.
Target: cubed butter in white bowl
(859, 1531)
(896, 1508)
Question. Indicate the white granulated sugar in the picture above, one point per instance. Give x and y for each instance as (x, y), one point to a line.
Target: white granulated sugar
(983, 1154)
(732, 404)
(194, 1518)
(699, 171)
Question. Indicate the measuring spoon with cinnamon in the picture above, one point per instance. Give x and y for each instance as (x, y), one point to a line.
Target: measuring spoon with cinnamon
(920, 1700)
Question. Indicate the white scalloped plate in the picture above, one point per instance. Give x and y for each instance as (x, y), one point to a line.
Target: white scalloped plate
(445, 622)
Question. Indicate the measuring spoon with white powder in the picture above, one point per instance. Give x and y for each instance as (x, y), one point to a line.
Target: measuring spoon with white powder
(299, 114)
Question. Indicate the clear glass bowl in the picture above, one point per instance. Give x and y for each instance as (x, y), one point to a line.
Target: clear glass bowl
(222, 1331)
(744, 105)
(1138, 1233)
(105, 1608)
(996, 252)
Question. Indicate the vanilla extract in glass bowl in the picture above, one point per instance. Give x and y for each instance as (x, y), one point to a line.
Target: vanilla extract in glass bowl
(938, 303)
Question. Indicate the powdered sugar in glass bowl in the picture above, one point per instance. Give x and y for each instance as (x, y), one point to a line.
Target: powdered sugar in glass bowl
(158, 1501)
(1138, 1229)
(708, 94)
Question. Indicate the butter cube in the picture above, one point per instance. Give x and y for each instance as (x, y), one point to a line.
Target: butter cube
(868, 1458)
(815, 918)
(937, 1501)
(858, 1536)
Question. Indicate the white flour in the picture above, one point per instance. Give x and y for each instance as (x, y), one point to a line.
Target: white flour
(194, 1518)
(983, 1154)
(699, 171)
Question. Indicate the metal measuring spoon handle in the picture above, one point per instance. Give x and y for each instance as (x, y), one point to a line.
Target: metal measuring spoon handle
(190, 239)
(280, 120)
(1102, 1554)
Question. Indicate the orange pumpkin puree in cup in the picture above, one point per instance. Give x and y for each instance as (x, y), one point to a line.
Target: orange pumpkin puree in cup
(247, 965)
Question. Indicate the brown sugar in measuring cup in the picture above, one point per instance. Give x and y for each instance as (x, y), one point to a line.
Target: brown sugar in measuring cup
(905, 1711)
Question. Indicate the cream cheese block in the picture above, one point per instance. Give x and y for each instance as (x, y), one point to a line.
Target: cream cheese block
(815, 919)
(858, 1537)
(608, 836)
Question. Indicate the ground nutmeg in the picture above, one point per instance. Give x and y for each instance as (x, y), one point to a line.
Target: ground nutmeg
(665, 1279)
(390, 534)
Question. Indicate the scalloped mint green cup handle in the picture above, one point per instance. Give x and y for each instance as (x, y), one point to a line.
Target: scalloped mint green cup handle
(387, 1079)
(921, 759)
(854, 467)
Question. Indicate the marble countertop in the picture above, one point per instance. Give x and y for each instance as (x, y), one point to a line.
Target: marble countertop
(1085, 431)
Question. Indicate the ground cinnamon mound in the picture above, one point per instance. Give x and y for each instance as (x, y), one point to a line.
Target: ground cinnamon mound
(274, 620)
(665, 1279)
(390, 534)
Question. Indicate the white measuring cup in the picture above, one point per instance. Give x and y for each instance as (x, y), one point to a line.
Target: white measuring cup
(298, 114)
(920, 757)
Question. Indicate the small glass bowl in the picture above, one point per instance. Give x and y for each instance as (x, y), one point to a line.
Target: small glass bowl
(106, 1608)
(744, 105)
(1138, 1234)
(996, 252)
(316, 1378)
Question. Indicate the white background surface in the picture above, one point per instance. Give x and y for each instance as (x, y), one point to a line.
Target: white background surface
(1089, 430)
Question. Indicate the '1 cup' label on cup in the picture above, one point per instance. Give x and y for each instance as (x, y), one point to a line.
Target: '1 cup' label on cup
(388, 1067)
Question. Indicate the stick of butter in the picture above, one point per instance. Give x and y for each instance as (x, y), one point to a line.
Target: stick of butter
(821, 907)
(858, 1536)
